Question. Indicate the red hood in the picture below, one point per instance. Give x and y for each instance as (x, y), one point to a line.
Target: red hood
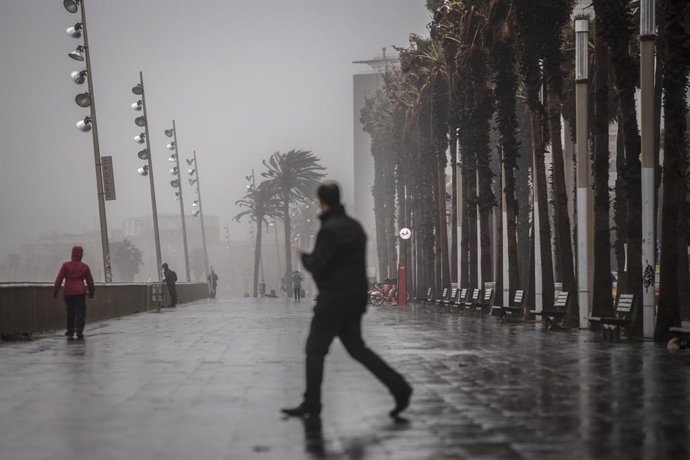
(77, 253)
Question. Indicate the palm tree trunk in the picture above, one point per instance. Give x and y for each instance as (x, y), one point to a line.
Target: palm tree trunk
(442, 236)
(561, 218)
(454, 206)
(539, 177)
(257, 255)
(675, 77)
(471, 221)
(465, 223)
(602, 301)
(380, 211)
(486, 203)
(287, 228)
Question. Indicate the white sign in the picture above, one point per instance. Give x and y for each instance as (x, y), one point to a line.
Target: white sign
(405, 233)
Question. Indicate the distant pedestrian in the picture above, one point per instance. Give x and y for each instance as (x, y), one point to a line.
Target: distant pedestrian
(75, 274)
(297, 285)
(212, 283)
(170, 280)
(338, 266)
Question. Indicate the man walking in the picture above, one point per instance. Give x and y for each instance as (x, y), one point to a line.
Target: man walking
(170, 278)
(339, 269)
(75, 273)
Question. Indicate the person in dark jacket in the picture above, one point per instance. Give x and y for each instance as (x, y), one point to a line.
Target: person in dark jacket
(170, 278)
(338, 266)
(75, 274)
(212, 283)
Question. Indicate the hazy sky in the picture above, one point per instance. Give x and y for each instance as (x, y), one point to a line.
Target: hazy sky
(241, 78)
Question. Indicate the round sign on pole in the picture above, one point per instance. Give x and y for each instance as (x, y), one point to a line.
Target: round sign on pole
(405, 233)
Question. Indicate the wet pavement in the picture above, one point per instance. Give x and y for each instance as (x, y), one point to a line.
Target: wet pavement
(207, 380)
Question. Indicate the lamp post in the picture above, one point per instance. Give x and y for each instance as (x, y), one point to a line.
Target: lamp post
(647, 38)
(175, 157)
(82, 53)
(581, 95)
(199, 211)
(147, 170)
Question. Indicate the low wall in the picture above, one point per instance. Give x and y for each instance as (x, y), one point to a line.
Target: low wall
(29, 308)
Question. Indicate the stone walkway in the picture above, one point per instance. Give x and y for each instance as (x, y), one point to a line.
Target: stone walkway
(206, 381)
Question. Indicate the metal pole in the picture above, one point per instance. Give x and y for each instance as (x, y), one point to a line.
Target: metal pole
(154, 209)
(107, 274)
(201, 213)
(581, 101)
(179, 191)
(647, 38)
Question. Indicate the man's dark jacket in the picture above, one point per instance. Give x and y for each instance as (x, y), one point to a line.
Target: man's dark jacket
(338, 264)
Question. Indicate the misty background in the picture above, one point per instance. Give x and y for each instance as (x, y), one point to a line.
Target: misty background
(242, 79)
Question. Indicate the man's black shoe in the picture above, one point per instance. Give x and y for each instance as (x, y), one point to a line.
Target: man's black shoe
(302, 411)
(402, 401)
(80, 337)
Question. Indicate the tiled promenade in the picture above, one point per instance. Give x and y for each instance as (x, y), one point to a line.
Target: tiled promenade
(206, 381)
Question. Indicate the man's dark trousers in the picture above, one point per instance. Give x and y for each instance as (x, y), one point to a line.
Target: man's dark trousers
(76, 314)
(172, 289)
(324, 328)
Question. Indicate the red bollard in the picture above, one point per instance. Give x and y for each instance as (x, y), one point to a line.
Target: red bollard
(402, 285)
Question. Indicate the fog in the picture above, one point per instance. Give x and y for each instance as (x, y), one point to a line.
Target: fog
(242, 79)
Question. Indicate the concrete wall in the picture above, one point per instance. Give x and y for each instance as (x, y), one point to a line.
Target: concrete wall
(29, 308)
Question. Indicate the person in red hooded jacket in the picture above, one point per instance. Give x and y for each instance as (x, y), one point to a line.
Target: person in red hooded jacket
(75, 274)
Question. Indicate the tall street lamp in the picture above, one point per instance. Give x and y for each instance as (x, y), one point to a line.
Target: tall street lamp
(647, 38)
(199, 210)
(581, 95)
(177, 183)
(147, 170)
(87, 99)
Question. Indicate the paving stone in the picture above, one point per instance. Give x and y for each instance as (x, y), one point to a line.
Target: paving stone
(207, 380)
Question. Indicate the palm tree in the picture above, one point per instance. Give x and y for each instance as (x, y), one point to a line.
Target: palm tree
(260, 205)
(127, 258)
(531, 43)
(377, 120)
(556, 17)
(501, 38)
(602, 300)
(676, 40)
(292, 178)
(619, 31)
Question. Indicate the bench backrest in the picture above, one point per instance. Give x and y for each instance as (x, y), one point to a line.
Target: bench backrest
(561, 301)
(453, 293)
(462, 295)
(429, 293)
(625, 305)
(519, 297)
(476, 294)
(488, 295)
(444, 293)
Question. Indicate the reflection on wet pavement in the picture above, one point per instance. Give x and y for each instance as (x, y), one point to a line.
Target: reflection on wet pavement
(206, 382)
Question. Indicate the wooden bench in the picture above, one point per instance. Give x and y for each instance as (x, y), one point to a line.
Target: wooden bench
(475, 298)
(451, 297)
(444, 296)
(484, 302)
(556, 312)
(611, 325)
(460, 297)
(429, 296)
(507, 311)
